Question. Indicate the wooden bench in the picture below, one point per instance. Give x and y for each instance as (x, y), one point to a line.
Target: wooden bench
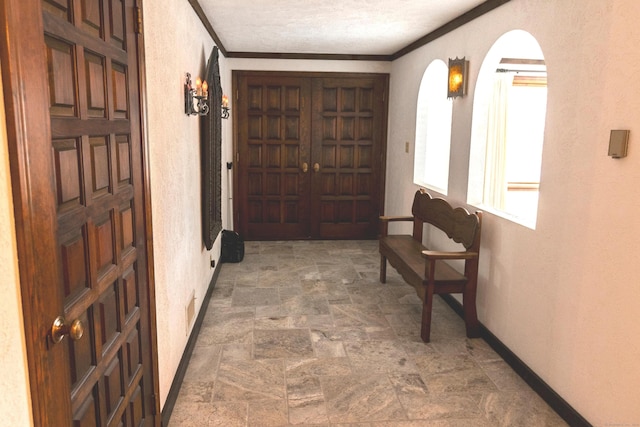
(426, 270)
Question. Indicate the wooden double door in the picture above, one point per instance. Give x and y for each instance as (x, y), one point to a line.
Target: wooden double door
(72, 76)
(310, 155)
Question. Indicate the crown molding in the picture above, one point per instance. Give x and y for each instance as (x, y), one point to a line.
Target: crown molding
(315, 56)
(454, 24)
(207, 25)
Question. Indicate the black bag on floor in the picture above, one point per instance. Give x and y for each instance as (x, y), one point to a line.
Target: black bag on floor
(232, 247)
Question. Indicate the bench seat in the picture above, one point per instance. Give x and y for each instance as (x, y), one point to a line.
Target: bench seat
(405, 252)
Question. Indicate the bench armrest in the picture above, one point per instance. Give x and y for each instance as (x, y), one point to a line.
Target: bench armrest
(396, 218)
(434, 255)
(385, 220)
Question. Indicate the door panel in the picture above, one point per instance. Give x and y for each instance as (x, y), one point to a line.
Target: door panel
(310, 155)
(274, 146)
(349, 135)
(84, 203)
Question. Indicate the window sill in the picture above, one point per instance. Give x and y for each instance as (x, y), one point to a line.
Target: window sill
(529, 222)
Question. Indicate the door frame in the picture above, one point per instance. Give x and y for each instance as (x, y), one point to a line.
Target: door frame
(28, 133)
(235, 77)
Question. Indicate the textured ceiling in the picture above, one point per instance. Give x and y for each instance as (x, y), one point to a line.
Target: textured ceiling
(345, 27)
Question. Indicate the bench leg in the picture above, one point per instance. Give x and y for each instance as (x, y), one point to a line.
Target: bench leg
(470, 314)
(383, 269)
(427, 305)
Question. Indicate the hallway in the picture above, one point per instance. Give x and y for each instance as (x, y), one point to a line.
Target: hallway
(302, 333)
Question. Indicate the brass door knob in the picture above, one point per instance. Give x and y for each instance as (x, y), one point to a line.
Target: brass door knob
(305, 167)
(316, 167)
(60, 328)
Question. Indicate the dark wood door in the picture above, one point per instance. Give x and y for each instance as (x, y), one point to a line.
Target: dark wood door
(349, 138)
(273, 156)
(310, 155)
(81, 223)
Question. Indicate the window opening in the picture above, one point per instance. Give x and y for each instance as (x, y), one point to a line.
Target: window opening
(433, 129)
(508, 129)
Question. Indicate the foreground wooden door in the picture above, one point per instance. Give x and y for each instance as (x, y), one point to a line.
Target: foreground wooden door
(77, 171)
(310, 155)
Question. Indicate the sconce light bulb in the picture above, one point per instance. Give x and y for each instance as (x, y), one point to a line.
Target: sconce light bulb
(455, 79)
(196, 100)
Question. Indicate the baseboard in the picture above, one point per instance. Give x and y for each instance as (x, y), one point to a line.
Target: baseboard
(167, 409)
(553, 399)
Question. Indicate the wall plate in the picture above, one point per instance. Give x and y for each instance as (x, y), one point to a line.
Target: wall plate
(618, 142)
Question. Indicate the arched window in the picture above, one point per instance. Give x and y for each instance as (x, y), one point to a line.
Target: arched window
(433, 130)
(510, 104)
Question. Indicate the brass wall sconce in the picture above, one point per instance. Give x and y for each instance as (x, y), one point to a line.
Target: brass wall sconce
(225, 107)
(198, 95)
(457, 77)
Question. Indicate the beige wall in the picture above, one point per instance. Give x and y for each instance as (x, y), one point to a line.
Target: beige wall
(176, 43)
(563, 297)
(15, 405)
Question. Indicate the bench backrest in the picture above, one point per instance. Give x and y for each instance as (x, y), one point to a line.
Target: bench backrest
(460, 225)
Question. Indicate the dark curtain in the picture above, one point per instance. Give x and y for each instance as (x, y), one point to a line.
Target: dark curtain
(211, 142)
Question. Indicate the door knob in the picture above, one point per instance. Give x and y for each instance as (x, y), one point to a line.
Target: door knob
(305, 167)
(316, 167)
(60, 328)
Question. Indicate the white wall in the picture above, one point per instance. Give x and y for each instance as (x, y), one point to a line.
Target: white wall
(176, 43)
(15, 405)
(563, 297)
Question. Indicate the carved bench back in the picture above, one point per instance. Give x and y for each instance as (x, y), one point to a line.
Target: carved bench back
(460, 225)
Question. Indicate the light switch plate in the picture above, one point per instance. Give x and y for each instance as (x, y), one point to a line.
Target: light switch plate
(618, 142)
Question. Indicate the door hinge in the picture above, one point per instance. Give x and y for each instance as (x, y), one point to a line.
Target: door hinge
(138, 20)
(154, 404)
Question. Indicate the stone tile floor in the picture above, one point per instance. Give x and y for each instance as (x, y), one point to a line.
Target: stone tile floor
(303, 334)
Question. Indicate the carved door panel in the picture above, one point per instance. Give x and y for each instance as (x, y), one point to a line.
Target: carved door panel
(86, 168)
(310, 155)
(273, 157)
(349, 134)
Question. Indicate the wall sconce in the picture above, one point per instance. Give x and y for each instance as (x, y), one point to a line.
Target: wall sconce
(199, 95)
(457, 77)
(225, 107)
